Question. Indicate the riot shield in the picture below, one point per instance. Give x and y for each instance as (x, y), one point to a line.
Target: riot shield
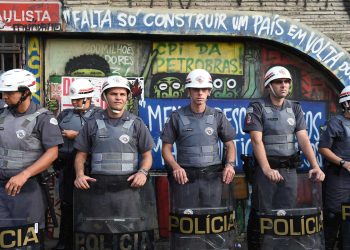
(345, 225)
(290, 213)
(112, 215)
(21, 217)
(202, 214)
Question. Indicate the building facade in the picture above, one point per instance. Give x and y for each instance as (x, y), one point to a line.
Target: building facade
(156, 43)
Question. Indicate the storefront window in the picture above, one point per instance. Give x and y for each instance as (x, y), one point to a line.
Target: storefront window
(10, 51)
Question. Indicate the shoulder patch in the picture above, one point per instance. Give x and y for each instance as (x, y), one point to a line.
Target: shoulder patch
(295, 102)
(53, 121)
(219, 111)
(175, 114)
(248, 119)
(256, 103)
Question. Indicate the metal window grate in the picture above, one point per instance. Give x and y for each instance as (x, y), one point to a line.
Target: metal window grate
(10, 51)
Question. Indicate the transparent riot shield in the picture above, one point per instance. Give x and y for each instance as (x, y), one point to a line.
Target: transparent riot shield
(290, 213)
(20, 216)
(202, 214)
(345, 225)
(112, 215)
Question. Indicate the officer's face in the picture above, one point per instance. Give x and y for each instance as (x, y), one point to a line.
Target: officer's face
(117, 98)
(78, 103)
(199, 96)
(281, 87)
(11, 97)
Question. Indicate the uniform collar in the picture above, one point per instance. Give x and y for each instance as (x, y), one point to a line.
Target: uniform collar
(125, 116)
(268, 103)
(31, 109)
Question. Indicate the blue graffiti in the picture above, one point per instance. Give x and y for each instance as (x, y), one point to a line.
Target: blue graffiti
(155, 112)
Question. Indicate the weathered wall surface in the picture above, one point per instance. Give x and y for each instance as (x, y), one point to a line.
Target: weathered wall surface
(331, 17)
(237, 69)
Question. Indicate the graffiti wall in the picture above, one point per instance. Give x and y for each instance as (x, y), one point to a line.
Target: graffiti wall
(155, 112)
(176, 59)
(157, 72)
(96, 59)
(271, 27)
(308, 83)
(237, 69)
(33, 54)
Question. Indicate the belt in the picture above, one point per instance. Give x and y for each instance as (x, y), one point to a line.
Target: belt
(285, 162)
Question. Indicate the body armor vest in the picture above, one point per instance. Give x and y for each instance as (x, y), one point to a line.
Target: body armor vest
(197, 143)
(279, 127)
(342, 147)
(72, 121)
(18, 147)
(114, 151)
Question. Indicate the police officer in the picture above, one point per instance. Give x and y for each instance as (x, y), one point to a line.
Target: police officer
(272, 123)
(29, 139)
(196, 129)
(71, 121)
(334, 145)
(115, 138)
(2, 102)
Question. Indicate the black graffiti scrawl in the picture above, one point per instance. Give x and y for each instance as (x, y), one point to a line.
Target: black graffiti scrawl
(87, 65)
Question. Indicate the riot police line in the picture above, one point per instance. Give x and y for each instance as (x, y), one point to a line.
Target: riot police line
(114, 205)
(185, 223)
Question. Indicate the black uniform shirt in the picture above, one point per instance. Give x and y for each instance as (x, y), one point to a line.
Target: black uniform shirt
(171, 128)
(46, 128)
(334, 132)
(83, 119)
(86, 137)
(254, 117)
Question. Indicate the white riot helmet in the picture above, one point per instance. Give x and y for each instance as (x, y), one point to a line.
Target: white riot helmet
(344, 95)
(115, 82)
(16, 80)
(81, 88)
(199, 79)
(276, 72)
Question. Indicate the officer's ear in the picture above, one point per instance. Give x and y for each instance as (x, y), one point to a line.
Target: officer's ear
(290, 91)
(103, 96)
(89, 100)
(209, 92)
(25, 93)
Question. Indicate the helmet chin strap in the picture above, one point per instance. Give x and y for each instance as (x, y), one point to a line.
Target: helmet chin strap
(82, 106)
(115, 111)
(273, 92)
(23, 97)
